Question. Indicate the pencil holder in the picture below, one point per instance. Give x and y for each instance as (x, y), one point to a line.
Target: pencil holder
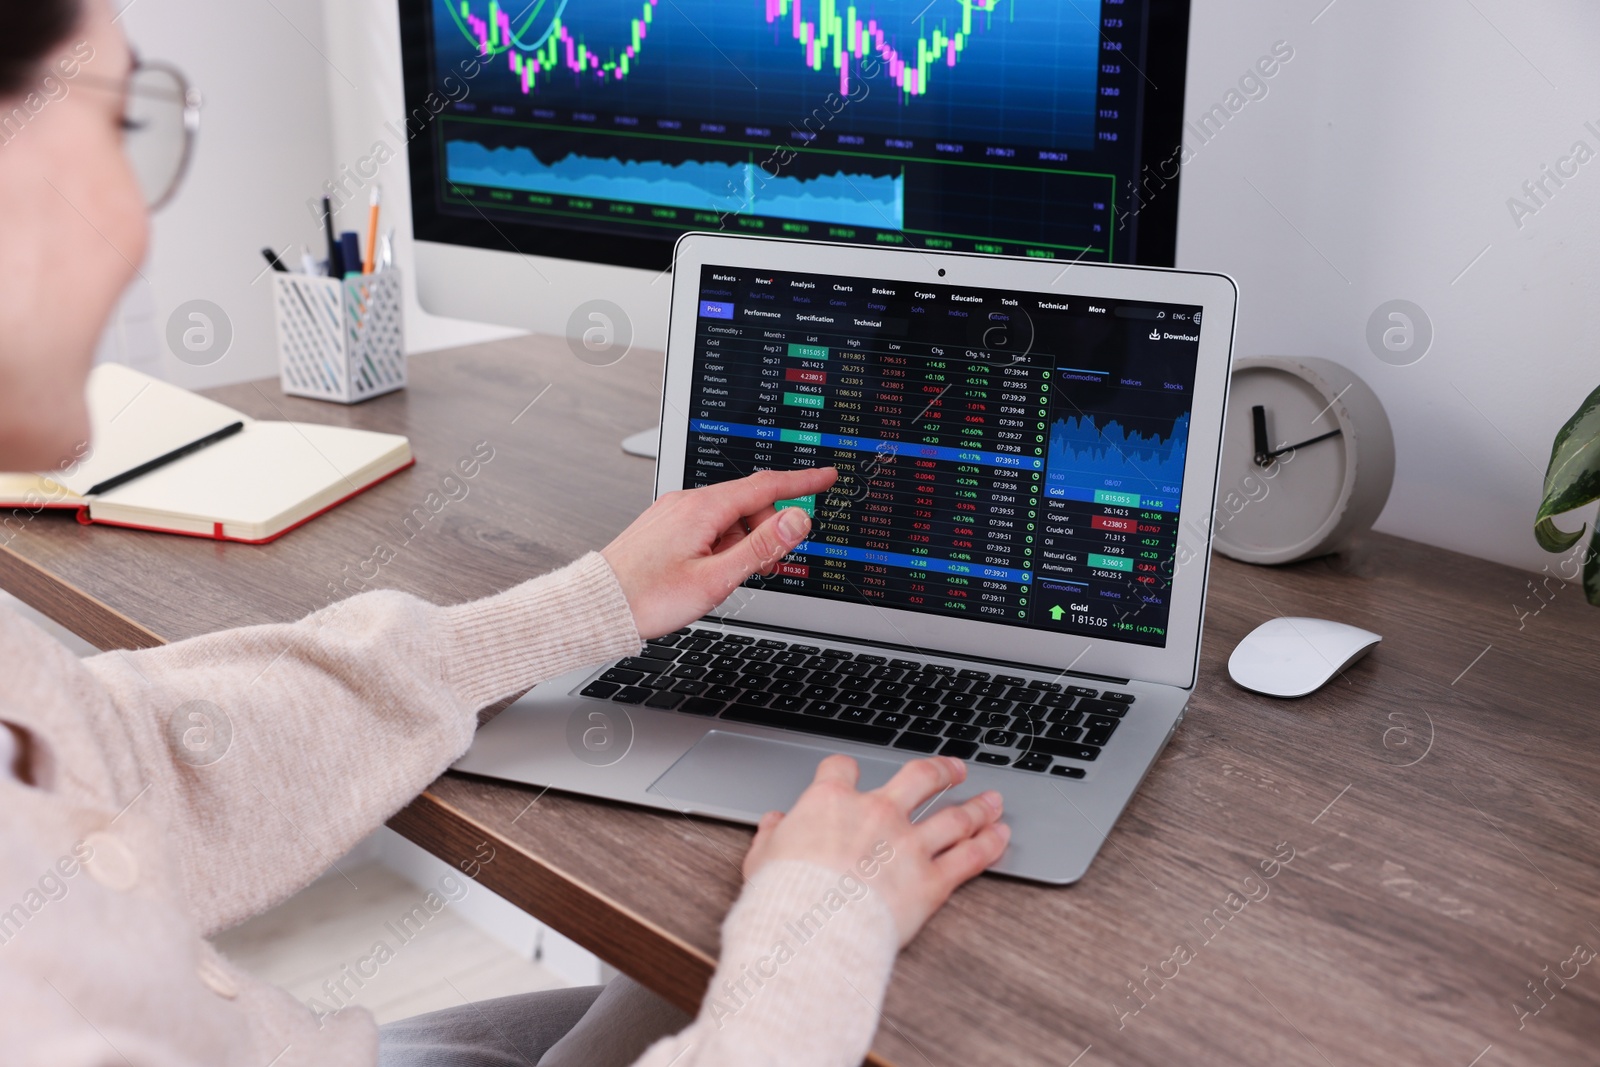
(339, 340)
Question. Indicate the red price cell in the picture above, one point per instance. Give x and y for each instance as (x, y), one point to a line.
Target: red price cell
(1107, 522)
(814, 377)
(794, 570)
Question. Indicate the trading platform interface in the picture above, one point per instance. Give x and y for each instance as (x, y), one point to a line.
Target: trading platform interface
(946, 128)
(1010, 457)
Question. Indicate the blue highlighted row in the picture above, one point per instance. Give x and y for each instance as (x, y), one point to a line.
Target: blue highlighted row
(869, 444)
(915, 563)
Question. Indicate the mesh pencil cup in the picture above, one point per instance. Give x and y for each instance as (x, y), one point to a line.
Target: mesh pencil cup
(340, 340)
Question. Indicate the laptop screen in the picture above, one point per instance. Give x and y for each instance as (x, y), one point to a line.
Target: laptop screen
(1010, 457)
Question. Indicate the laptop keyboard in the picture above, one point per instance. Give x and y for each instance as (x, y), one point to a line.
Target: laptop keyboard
(930, 708)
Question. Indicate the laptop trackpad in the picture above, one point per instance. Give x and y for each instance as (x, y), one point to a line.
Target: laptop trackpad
(727, 772)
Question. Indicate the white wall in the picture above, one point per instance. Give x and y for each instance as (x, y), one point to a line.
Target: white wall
(1377, 166)
(1381, 159)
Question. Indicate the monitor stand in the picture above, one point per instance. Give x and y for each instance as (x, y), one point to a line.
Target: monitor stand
(644, 443)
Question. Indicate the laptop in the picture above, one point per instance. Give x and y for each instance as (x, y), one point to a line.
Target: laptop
(1011, 568)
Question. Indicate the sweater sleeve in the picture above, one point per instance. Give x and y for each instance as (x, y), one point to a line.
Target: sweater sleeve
(270, 751)
(806, 957)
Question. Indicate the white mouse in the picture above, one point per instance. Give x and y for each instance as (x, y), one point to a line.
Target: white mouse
(1291, 657)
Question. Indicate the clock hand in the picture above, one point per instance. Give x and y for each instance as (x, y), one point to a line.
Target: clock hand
(1308, 441)
(1258, 416)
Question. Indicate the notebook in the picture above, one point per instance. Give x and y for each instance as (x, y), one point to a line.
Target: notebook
(166, 459)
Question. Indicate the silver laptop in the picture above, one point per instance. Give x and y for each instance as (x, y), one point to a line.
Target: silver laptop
(1011, 569)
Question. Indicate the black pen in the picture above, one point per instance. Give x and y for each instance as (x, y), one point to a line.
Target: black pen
(272, 257)
(335, 260)
(161, 461)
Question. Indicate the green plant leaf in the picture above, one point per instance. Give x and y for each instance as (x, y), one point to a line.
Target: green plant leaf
(1572, 478)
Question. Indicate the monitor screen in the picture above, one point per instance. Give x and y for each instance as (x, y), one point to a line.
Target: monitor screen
(604, 130)
(1004, 456)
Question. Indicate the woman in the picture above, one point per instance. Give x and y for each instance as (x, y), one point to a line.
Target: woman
(120, 858)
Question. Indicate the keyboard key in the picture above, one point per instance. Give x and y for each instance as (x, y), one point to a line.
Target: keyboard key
(759, 670)
(924, 692)
(791, 674)
(1000, 738)
(959, 700)
(665, 640)
(697, 659)
(789, 659)
(767, 642)
(726, 663)
(927, 726)
(700, 706)
(1056, 700)
(962, 732)
(885, 674)
(856, 684)
(949, 683)
(893, 689)
(695, 644)
(819, 692)
(682, 671)
(791, 703)
(1118, 698)
(1062, 732)
(1033, 761)
(622, 677)
(756, 697)
(1068, 772)
(918, 742)
(959, 749)
(632, 694)
(1098, 735)
(805, 650)
(658, 652)
(836, 653)
(722, 677)
(737, 639)
(665, 700)
(786, 689)
(724, 692)
(659, 681)
(922, 707)
(809, 724)
(989, 689)
(854, 670)
(856, 698)
(1065, 717)
(856, 715)
(1021, 695)
(895, 719)
(1101, 707)
(1082, 691)
(1043, 686)
(641, 664)
(826, 709)
(973, 675)
(1030, 711)
(886, 703)
(938, 668)
(828, 678)
(1024, 725)
(956, 715)
(1010, 679)
(905, 664)
(994, 704)
(1086, 753)
(875, 660)
(993, 719)
(997, 758)
(599, 690)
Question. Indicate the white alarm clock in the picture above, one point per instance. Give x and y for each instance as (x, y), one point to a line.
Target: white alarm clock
(1307, 460)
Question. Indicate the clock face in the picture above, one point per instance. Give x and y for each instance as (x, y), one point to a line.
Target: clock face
(1279, 511)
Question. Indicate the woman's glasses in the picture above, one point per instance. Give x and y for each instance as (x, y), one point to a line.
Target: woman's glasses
(160, 118)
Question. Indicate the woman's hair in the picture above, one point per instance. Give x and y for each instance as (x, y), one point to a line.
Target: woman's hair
(29, 31)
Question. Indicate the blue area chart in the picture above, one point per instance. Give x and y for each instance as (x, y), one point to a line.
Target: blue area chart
(733, 188)
(1112, 465)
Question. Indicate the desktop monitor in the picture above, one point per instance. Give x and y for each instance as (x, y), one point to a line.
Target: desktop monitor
(602, 130)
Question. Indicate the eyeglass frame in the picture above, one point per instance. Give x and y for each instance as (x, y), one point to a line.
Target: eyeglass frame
(192, 102)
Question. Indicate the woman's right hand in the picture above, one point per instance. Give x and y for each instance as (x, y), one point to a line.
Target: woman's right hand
(915, 866)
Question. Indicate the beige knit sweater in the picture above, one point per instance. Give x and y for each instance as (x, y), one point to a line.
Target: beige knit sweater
(128, 851)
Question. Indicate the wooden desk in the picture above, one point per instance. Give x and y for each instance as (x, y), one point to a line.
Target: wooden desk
(1442, 800)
